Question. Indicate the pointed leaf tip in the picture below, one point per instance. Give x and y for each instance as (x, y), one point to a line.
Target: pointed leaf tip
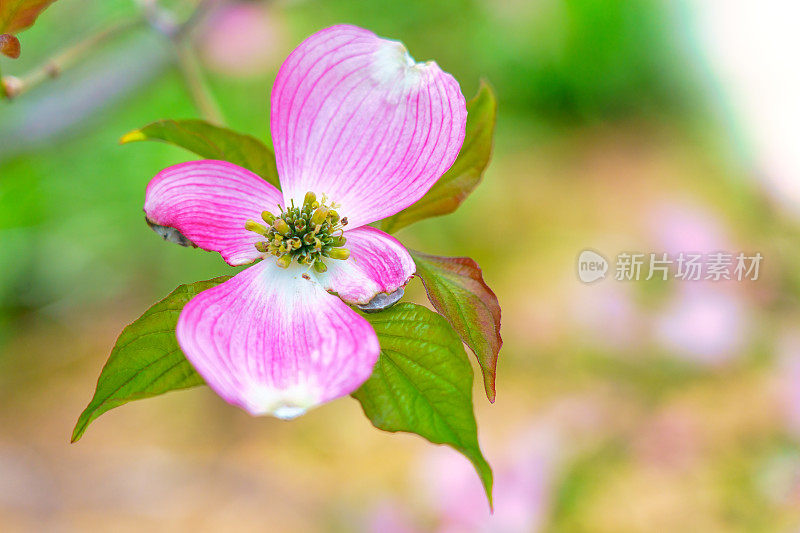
(422, 383)
(211, 142)
(132, 136)
(146, 360)
(18, 15)
(456, 288)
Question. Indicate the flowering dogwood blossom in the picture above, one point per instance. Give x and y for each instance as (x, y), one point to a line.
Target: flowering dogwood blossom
(361, 131)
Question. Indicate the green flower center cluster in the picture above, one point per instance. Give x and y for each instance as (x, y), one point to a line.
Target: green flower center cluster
(307, 234)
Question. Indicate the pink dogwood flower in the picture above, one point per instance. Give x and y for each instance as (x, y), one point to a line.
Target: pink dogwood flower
(361, 131)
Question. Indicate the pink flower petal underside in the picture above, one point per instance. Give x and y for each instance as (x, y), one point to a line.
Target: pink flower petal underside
(377, 263)
(209, 202)
(355, 118)
(274, 343)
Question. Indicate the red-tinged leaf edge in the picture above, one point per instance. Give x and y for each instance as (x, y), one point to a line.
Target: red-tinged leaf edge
(18, 15)
(442, 277)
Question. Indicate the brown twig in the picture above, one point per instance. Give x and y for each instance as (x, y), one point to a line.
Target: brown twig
(161, 22)
(65, 59)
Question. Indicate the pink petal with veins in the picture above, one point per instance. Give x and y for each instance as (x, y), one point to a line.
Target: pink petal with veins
(377, 263)
(274, 343)
(209, 202)
(354, 117)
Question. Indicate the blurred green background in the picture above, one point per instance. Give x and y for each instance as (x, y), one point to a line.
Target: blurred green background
(621, 406)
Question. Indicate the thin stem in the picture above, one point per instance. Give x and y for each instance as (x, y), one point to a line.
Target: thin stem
(160, 22)
(193, 76)
(70, 56)
(203, 8)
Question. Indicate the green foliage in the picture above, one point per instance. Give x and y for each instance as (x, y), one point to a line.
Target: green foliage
(422, 383)
(211, 142)
(146, 360)
(17, 15)
(456, 289)
(456, 184)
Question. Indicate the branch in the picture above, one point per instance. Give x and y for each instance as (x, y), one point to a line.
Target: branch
(65, 59)
(193, 77)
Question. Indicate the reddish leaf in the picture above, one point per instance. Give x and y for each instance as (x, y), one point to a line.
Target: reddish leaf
(17, 15)
(9, 45)
(456, 289)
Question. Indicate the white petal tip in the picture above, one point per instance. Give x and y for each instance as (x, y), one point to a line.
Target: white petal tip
(284, 404)
(393, 64)
(288, 412)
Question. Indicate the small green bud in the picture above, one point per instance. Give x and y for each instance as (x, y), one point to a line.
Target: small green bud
(284, 261)
(320, 267)
(296, 243)
(252, 225)
(333, 217)
(308, 238)
(262, 246)
(281, 226)
(338, 241)
(309, 199)
(268, 217)
(300, 225)
(339, 253)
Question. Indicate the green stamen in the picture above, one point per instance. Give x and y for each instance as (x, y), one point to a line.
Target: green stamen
(339, 253)
(319, 215)
(307, 234)
(252, 225)
(281, 226)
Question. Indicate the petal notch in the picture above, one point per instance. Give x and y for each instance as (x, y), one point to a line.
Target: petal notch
(354, 117)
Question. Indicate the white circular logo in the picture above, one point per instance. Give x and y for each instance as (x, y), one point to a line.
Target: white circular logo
(591, 266)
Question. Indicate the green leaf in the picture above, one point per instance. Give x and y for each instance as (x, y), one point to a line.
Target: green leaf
(456, 289)
(422, 383)
(465, 174)
(17, 15)
(146, 360)
(211, 142)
